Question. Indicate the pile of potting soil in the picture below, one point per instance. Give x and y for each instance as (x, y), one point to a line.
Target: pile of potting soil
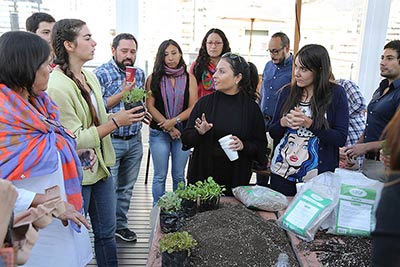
(236, 236)
(339, 251)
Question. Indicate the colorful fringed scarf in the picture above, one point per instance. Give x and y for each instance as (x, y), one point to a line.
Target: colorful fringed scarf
(207, 77)
(173, 97)
(30, 137)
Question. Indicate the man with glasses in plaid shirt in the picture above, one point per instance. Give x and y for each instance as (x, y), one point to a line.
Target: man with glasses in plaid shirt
(127, 141)
(277, 73)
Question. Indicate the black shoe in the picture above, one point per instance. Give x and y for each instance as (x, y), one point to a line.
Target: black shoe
(126, 235)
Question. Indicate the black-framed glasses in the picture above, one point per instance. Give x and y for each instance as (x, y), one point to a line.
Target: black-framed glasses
(232, 56)
(275, 51)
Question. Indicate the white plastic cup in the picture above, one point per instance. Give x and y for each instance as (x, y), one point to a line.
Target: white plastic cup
(224, 142)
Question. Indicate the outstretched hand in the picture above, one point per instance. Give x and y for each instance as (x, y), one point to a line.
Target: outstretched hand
(201, 125)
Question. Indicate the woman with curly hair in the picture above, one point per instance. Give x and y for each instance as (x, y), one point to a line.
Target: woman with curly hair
(213, 46)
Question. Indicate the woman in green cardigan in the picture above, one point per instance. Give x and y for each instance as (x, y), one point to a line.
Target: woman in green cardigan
(77, 92)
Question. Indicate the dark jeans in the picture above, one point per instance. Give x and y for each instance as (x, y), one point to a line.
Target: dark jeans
(99, 202)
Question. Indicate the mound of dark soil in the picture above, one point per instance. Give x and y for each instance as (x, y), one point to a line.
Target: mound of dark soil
(236, 236)
(340, 251)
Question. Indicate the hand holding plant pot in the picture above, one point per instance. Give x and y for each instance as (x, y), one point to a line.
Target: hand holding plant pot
(171, 215)
(128, 117)
(189, 195)
(175, 248)
(134, 98)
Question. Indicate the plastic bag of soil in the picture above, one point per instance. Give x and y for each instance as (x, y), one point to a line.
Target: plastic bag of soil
(171, 221)
(260, 197)
(354, 214)
(311, 206)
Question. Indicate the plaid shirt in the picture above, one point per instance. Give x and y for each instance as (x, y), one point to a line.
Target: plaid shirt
(357, 109)
(111, 78)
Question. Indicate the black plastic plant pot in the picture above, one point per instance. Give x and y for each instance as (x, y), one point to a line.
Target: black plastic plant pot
(171, 222)
(133, 105)
(209, 204)
(174, 259)
(189, 207)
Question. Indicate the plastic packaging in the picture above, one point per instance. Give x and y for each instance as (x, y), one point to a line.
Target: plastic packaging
(283, 260)
(260, 197)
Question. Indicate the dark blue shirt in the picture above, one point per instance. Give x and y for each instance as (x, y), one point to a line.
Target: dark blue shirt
(381, 109)
(274, 78)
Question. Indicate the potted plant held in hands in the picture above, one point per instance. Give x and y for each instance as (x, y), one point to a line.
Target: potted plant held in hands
(175, 248)
(189, 195)
(210, 194)
(171, 215)
(134, 98)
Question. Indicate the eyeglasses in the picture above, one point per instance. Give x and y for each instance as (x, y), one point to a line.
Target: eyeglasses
(232, 56)
(214, 43)
(275, 51)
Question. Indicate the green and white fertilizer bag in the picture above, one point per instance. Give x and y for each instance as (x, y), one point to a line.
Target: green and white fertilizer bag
(359, 196)
(260, 197)
(311, 206)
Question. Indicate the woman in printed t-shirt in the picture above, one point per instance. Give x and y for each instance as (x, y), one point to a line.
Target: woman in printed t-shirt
(310, 122)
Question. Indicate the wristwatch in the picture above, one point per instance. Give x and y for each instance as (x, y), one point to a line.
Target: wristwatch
(178, 120)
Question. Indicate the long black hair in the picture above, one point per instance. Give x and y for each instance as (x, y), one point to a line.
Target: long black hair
(21, 55)
(159, 64)
(203, 58)
(68, 30)
(248, 83)
(316, 59)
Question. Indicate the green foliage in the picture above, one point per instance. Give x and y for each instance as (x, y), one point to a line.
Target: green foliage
(177, 241)
(135, 95)
(385, 148)
(209, 189)
(189, 192)
(169, 202)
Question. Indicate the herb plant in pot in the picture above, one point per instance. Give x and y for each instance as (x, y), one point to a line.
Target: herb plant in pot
(171, 215)
(189, 195)
(175, 248)
(134, 98)
(210, 194)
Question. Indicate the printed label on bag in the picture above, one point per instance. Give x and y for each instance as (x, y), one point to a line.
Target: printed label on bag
(302, 213)
(355, 210)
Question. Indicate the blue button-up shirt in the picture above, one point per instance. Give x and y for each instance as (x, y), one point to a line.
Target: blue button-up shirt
(111, 78)
(381, 109)
(274, 78)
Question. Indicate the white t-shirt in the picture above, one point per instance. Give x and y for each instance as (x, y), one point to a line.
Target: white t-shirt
(57, 245)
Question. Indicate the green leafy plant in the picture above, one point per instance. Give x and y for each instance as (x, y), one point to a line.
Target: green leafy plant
(135, 95)
(169, 202)
(209, 189)
(178, 241)
(385, 148)
(189, 192)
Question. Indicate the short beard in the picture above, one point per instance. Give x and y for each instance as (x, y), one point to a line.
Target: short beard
(121, 65)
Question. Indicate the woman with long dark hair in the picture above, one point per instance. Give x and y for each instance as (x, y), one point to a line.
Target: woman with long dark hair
(37, 152)
(232, 109)
(78, 93)
(312, 108)
(213, 46)
(173, 94)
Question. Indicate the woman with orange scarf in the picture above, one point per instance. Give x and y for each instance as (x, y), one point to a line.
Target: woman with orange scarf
(37, 152)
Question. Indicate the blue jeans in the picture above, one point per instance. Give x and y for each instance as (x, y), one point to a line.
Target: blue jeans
(99, 202)
(128, 155)
(161, 146)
